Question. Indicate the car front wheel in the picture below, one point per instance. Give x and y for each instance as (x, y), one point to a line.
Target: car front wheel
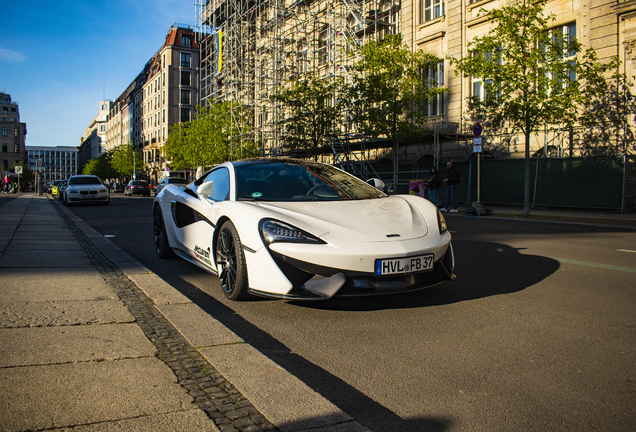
(162, 247)
(231, 262)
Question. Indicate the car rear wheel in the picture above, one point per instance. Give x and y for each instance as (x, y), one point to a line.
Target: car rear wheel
(162, 247)
(231, 262)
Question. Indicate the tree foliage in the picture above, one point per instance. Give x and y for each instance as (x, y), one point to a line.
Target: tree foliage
(101, 166)
(532, 75)
(212, 137)
(391, 88)
(123, 157)
(26, 176)
(313, 106)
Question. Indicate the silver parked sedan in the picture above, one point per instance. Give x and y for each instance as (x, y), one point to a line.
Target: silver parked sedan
(177, 181)
(85, 189)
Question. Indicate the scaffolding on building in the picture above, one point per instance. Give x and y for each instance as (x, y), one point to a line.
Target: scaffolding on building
(250, 49)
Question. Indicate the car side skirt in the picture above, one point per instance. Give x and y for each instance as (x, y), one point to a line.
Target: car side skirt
(187, 257)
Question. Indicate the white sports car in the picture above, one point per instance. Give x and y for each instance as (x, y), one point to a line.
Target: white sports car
(295, 229)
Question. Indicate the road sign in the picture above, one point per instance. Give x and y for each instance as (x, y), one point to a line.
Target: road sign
(477, 130)
(477, 145)
(18, 169)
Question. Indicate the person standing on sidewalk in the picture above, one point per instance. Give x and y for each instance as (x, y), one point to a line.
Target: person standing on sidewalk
(452, 179)
(434, 183)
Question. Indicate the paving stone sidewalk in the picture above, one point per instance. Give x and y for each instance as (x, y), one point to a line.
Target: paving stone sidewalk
(88, 343)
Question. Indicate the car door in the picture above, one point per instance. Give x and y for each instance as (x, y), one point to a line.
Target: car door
(195, 216)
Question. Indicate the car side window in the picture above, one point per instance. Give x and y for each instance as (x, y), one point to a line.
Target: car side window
(221, 179)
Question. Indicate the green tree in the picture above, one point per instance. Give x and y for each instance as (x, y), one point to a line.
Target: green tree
(101, 166)
(123, 157)
(212, 137)
(26, 176)
(314, 108)
(391, 89)
(532, 75)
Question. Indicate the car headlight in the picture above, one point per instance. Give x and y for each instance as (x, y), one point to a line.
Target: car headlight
(441, 222)
(273, 231)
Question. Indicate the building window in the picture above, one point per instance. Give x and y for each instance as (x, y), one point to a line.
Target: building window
(435, 78)
(564, 36)
(478, 88)
(4, 148)
(185, 60)
(185, 41)
(17, 132)
(185, 97)
(185, 115)
(5, 131)
(431, 9)
(185, 78)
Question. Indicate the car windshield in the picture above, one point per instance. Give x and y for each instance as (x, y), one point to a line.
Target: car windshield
(84, 181)
(293, 180)
(139, 183)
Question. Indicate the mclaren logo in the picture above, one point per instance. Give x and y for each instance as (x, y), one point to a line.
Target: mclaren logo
(202, 254)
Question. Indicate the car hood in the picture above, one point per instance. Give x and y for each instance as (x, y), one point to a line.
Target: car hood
(85, 187)
(373, 220)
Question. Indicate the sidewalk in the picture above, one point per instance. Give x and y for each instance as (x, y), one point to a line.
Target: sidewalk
(91, 340)
(597, 218)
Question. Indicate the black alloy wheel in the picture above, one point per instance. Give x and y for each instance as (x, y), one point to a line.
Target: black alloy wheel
(162, 247)
(230, 259)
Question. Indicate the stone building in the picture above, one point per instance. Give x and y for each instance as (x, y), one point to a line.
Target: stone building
(264, 46)
(12, 134)
(93, 143)
(165, 92)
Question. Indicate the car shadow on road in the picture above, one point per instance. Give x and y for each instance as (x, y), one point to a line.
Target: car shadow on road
(483, 269)
(352, 401)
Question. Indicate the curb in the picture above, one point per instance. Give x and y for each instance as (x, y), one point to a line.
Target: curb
(541, 221)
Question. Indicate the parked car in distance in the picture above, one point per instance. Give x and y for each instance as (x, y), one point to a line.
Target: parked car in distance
(61, 188)
(85, 189)
(177, 181)
(54, 187)
(48, 186)
(116, 187)
(139, 187)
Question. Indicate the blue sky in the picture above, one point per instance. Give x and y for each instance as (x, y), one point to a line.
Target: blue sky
(59, 58)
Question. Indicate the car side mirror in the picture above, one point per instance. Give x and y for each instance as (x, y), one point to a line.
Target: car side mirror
(205, 189)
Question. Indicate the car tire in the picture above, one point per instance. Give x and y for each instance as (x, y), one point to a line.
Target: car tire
(230, 259)
(162, 247)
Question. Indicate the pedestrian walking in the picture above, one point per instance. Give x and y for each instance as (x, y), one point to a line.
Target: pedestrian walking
(434, 183)
(452, 179)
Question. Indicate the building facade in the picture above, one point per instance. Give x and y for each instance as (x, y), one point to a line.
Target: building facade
(12, 134)
(93, 143)
(58, 163)
(165, 92)
(248, 51)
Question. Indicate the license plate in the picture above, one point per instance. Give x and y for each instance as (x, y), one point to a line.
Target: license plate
(413, 264)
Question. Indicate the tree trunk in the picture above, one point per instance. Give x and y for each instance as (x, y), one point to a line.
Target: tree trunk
(526, 180)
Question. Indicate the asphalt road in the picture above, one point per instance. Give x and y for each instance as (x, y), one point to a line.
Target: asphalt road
(538, 332)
